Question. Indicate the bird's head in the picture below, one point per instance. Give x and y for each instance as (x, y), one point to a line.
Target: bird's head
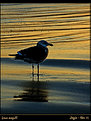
(44, 43)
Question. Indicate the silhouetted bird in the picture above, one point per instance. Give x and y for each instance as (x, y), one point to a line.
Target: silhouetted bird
(34, 55)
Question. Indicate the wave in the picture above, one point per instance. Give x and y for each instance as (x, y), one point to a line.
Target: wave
(54, 62)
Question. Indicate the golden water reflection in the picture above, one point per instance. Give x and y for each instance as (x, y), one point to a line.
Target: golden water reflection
(65, 25)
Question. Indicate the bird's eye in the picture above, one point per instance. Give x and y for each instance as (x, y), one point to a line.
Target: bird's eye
(45, 42)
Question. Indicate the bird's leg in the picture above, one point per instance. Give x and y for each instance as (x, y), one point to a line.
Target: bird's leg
(38, 72)
(33, 71)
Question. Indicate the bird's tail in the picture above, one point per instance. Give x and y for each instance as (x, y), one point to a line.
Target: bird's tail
(17, 56)
(12, 54)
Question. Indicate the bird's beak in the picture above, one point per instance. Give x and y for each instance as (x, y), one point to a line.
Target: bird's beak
(50, 44)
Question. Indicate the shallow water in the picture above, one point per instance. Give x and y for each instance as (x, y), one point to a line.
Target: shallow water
(64, 83)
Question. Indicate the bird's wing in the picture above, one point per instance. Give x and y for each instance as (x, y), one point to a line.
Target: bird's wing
(30, 52)
(34, 53)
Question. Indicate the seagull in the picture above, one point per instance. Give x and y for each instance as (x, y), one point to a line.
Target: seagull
(34, 55)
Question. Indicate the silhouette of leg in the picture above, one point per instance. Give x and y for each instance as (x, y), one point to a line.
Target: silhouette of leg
(33, 72)
(38, 72)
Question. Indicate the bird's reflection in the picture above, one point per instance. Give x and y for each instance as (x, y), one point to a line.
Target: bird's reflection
(34, 91)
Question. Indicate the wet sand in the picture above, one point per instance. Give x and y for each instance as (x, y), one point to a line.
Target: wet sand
(60, 91)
